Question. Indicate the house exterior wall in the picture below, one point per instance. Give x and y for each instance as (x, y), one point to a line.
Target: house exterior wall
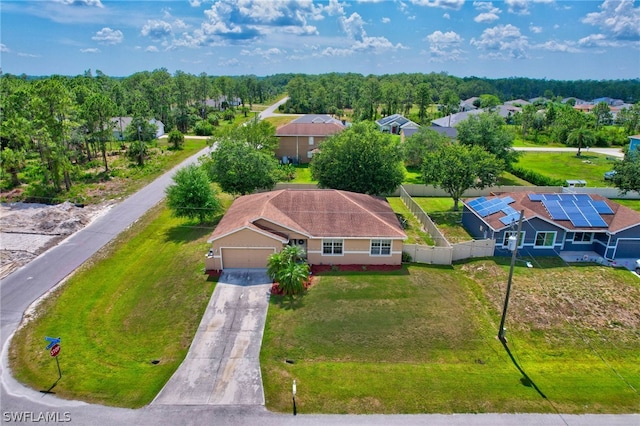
(297, 147)
(245, 238)
(625, 244)
(355, 252)
(531, 228)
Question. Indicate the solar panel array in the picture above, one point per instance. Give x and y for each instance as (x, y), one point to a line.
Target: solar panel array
(580, 209)
(486, 207)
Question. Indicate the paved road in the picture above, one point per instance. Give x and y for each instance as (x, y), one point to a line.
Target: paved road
(612, 152)
(222, 366)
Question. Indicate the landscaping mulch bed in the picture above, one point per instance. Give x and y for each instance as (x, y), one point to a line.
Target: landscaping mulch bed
(318, 269)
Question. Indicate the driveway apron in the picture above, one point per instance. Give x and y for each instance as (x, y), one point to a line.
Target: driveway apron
(222, 366)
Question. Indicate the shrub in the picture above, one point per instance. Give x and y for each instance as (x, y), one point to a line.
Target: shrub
(535, 178)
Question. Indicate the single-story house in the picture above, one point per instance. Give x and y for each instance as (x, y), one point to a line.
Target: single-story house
(395, 123)
(223, 102)
(120, 124)
(517, 102)
(505, 111)
(332, 227)
(555, 223)
(299, 139)
(468, 104)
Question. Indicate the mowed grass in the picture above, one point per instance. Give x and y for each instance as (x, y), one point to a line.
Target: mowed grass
(422, 340)
(632, 204)
(448, 221)
(566, 165)
(412, 227)
(140, 299)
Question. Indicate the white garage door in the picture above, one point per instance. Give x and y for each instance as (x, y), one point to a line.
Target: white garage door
(245, 257)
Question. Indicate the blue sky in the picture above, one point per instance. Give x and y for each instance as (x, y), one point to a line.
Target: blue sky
(565, 40)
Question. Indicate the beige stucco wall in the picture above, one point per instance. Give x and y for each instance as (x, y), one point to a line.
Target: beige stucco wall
(355, 252)
(243, 238)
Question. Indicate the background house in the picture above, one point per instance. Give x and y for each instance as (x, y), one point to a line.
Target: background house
(556, 224)
(298, 140)
(332, 227)
(120, 124)
(395, 123)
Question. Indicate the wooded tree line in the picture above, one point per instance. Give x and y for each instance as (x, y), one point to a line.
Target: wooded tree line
(369, 97)
(65, 122)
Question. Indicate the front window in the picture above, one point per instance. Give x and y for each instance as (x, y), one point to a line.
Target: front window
(583, 237)
(310, 140)
(507, 234)
(545, 239)
(380, 247)
(332, 247)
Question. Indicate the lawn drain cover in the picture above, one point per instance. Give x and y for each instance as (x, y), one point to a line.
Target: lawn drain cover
(155, 361)
(289, 361)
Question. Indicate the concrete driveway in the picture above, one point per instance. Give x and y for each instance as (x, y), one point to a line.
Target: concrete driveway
(222, 366)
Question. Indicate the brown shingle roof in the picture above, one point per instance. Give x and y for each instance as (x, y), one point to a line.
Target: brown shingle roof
(319, 213)
(621, 219)
(309, 129)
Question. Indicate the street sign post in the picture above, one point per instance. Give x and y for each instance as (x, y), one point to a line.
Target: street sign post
(55, 350)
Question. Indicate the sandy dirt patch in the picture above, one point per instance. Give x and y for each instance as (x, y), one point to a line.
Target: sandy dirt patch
(29, 229)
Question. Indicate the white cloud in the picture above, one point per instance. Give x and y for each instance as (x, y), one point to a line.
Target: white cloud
(228, 21)
(519, 7)
(28, 55)
(502, 42)
(195, 3)
(445, 4)
(618, 18)
(535, 29)
(484, 18)
(108, 36)
(4, 48)
(445, 46)
(91, 3)
(90, 50)
(556, 46)
(267, 54)
(353, 26)
(156, 29)
(335, 8)
(486, 6)
(385, 20)
(151, 48)
(597, 41)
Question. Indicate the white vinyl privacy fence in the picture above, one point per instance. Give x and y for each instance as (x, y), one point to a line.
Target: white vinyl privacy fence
(443, 253)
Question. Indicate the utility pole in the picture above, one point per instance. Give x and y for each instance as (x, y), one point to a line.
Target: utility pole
(513, 262)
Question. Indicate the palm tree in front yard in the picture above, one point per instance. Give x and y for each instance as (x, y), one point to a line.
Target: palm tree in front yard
(289, 270)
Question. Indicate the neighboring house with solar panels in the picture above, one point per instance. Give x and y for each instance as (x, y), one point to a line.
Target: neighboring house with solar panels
(554, 224)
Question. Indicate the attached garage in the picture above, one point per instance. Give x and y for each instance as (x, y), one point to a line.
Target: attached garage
(627, 249)
(248, 257)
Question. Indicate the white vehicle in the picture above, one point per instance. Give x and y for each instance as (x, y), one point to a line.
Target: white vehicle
(638, 266)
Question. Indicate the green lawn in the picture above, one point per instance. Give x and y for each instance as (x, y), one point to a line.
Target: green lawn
(422, 339)
(140, 299)
(413, 228)
(440, 210)
(412, 176)
(566, 165)
(632, 204)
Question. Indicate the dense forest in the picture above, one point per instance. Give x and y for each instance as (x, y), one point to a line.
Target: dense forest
(65, 122)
